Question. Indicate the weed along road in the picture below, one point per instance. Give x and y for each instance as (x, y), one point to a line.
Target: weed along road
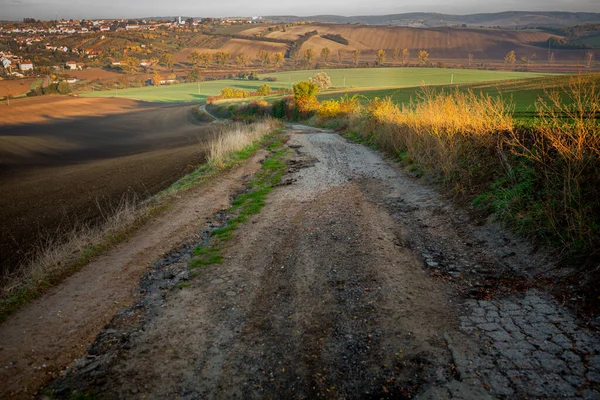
(334, 274)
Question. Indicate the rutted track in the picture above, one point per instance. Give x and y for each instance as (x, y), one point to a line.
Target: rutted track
(353, 282)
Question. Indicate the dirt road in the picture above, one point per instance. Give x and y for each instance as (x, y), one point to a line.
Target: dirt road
(354, 281)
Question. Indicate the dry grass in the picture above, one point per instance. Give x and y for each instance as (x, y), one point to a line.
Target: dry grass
(442, 132)
(57, 257)
(237, 138)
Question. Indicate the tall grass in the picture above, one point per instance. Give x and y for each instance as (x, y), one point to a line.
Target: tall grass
(237, 138)
(449, 134)
(60, 255)
(541, 177)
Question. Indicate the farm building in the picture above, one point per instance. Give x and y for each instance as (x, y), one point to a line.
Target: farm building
(74, 65)
(26, 65)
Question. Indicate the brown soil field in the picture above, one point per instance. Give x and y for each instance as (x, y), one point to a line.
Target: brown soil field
(236, 47)
(95, 73)
(76, 158)
(15, 87)
(442, 42)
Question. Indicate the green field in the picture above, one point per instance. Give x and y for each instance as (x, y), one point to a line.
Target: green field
(355, 78)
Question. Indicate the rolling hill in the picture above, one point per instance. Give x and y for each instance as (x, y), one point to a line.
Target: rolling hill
(507, 19)
(446, 43)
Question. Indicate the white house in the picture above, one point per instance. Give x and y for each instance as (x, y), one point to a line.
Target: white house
(71, 65)
(6, 63)
(26, 65)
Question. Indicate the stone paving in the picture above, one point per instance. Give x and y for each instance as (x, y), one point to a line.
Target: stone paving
(529, 347)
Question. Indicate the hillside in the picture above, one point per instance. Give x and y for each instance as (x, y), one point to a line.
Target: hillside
(439, 42)
(501, 19)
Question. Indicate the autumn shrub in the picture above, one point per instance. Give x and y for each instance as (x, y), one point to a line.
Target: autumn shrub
(284, 108)
(231, 93)
(563, 148)
(264, 90)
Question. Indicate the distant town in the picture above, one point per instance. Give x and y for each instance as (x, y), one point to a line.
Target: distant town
(33, 36)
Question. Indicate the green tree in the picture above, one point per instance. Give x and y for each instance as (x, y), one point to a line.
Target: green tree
(193, 75)
(305, 89)
(325, 54)
(167, 60)
(264, 90)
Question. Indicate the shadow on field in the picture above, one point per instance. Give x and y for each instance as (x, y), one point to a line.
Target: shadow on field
(70, 171)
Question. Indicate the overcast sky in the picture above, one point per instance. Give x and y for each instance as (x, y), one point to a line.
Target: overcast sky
(78, 9)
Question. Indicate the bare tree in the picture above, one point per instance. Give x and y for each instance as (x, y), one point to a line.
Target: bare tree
(470, 58)
(423, 57)
(510, 57)
(589, 58)
(396, 55)
(242, 60)
(340, 55)
(264, 57)
(405, 55)
(356, 57)
(325, 53)
(206, 58)
(309, 55)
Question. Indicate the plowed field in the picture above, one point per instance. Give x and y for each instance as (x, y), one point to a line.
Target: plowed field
(64, 161)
